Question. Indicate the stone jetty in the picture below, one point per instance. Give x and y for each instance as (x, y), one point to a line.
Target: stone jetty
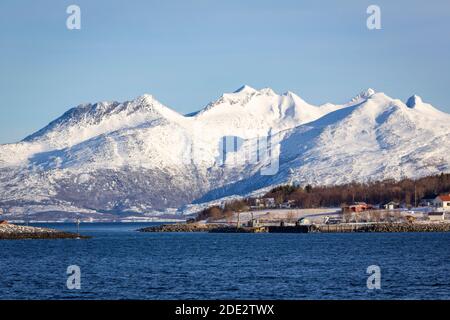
(409, 227)
(338, 228)
(10, 231)
(182, 227)
(382, 227)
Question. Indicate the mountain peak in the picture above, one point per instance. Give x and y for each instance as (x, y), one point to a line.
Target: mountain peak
(267, 91)
(413, 101)
(245, 89)
(145, 98)
(363, 95)
(241, 96)
(89, 120)
(293, 96)
(367, 93)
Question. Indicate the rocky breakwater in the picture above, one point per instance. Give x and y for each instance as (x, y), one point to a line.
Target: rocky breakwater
(408, 227)
(181, 227)
(10, 231)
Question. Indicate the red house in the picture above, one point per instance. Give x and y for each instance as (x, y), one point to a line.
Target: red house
(357, 207)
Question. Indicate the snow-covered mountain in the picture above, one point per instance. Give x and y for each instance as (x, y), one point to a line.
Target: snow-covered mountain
(141, 156)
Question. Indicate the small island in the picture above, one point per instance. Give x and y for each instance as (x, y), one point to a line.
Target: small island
(9, 231)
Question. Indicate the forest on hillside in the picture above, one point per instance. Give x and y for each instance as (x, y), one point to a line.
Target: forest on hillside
(408, 192)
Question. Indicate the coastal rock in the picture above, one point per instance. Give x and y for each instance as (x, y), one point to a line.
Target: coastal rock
(409, 227)
(181, 227)
(11, 232)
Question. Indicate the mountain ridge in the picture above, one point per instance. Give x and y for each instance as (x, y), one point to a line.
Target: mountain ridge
(141, 156)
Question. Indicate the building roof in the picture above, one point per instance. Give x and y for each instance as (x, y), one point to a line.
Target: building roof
(393, 202)
(444, 197)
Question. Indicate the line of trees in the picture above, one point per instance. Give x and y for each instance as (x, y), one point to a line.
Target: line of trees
(405, 191)
(225, 212)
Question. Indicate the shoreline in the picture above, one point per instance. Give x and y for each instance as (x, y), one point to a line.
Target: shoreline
(10, 231)
(30, 222)
(337, 228)
(181, 227)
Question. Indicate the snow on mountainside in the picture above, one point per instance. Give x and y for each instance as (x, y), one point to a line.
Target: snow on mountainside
(85, 122)
(90, 120)
(375, 139)
(140, 156)
(261, 109)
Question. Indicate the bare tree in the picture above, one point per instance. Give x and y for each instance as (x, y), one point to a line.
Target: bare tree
(215, 214)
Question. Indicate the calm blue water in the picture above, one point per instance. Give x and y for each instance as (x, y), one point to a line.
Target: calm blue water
(119, 263)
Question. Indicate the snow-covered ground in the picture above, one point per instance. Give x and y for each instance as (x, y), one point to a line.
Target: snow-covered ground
(276, 215)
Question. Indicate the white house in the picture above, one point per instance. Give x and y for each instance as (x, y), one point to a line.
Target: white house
(391, 205)
(443, 202)
(265, 203)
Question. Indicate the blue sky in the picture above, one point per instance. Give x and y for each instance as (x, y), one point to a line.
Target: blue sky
(187, 53)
